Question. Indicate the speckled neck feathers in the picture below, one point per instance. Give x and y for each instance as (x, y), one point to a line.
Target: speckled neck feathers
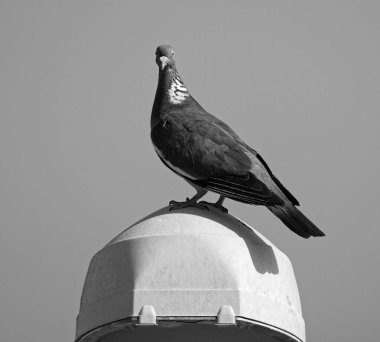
(177, 91)
(171, 92)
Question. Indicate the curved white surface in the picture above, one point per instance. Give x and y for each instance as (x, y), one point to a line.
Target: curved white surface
(188, 264)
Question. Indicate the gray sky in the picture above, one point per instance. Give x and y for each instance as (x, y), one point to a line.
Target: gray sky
(299, 81)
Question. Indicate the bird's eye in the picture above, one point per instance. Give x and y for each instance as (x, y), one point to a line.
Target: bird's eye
(172, 53)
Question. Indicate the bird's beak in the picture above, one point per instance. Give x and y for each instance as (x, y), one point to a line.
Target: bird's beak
(164, 60)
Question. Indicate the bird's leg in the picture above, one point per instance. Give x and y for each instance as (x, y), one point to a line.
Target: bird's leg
(218, 204)
(192, 202)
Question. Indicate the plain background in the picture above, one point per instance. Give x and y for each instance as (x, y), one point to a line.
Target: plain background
(299, 81)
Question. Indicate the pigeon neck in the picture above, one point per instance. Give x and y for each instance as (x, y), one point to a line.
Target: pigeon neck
(171, 91)
(174, 90)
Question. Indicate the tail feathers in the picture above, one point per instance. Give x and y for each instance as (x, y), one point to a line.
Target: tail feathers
(295, 220)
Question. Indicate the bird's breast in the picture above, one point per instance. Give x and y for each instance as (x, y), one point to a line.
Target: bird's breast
(172, 146)
(174, 168)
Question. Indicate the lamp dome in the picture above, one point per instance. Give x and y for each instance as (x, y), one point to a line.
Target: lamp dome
(190, 275)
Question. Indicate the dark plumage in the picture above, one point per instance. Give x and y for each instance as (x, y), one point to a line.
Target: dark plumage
(209, 155)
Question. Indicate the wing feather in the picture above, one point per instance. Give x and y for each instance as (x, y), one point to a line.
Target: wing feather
(209, 154)
(247, 190)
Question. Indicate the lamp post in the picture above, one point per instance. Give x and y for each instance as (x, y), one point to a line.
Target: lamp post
(190, 275)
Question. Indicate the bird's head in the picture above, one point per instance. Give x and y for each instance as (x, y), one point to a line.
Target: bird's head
(164, 57)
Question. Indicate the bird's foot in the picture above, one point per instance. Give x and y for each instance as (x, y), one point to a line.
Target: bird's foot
(174, 205)
(215, 205)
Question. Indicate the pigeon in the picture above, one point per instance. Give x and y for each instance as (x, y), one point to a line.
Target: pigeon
(210, 156)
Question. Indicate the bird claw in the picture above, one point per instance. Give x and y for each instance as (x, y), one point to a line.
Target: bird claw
(215, 205)
(174, 205)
